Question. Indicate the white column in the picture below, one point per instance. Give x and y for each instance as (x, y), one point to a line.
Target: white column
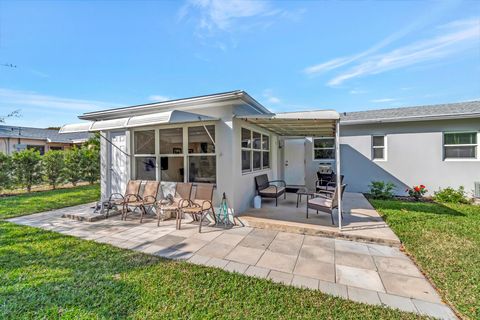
(337, 161)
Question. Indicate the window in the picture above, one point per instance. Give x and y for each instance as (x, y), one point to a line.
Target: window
(324, 148)
(460, 145)
(56, 148)
(175, 154)
(255, 150)
(378, 147)
(40, 149)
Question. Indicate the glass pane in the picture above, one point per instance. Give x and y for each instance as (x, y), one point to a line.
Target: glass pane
(145, 168)
(199, 141)
(257, 140)
(460, 152)
(378, 153)
(246, 160)
(171, 141)
(324, 154)
(144, 142)
(266, 160)
(257, 160)
(265, 142)
(246, 138)
(324, 143)
(378, 141)
(202, 169)
(461, 138)
(171, 169)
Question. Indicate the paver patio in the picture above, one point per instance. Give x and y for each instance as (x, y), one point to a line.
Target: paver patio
(364, 272)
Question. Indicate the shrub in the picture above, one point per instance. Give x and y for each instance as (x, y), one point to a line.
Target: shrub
(53, 164)
(73, 165)
(5, 171)
(451, 195)
(381, 189)
(90, 164)
(27, 167)
(417, 192)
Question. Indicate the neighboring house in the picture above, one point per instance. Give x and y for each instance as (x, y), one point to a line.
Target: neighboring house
(171, 141)
(14, 138)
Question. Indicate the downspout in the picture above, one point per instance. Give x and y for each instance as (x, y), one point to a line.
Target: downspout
(339, 181)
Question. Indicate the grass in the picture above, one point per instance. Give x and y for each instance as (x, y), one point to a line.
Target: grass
(444, 239)
(23, 204)
(48, 275)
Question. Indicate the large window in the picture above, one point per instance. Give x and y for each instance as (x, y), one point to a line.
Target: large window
(460, 145)
(255, 150)
(378, 148)
(324, 148)
(175, 154)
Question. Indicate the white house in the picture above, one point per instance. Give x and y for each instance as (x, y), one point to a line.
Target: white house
(229, 138)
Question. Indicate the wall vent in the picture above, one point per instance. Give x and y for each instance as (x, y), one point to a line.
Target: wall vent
(477, 190)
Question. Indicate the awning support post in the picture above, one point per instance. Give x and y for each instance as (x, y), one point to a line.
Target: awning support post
(338, 173)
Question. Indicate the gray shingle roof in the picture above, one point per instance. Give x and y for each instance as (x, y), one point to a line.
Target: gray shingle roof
(40, 134)
(450, 110)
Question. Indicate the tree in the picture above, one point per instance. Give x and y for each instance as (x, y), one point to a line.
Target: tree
(90, 164)
(73, 167)
(53, 164)
(27, 167)
(5, 171)
(15, 113)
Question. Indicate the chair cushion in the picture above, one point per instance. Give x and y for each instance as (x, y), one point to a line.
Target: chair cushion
(271, 190)
(320, 202)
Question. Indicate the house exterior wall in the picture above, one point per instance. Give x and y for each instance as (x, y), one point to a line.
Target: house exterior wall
(414, 156)
(8, 145)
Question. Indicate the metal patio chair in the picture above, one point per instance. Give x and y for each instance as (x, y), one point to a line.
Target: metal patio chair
(200, 206)
(325, 203)
(180, 199)
(267, 189)
(117, 199)
(144, 202)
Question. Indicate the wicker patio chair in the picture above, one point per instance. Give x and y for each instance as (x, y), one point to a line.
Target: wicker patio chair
(267, 189)
(325, 203)
(200, 206)
(147, 200)
(181, 199)
(117, 199)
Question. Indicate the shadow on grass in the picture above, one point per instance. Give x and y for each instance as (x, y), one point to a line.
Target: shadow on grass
(415, 207)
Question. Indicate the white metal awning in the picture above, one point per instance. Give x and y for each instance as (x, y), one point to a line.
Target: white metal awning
(168, 117)
(302, 124)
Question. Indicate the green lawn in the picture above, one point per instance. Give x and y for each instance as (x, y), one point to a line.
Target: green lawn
(23, 204)
(48, 275)
(445, 242)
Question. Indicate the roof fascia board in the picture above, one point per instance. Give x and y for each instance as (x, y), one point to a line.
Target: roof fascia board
(410, 119)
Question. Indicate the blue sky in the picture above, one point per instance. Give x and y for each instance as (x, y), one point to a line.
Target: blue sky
(74, 57)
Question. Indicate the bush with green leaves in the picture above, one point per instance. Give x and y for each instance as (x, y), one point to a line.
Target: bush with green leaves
(381, 190)
(72, 171)
(450, 195)
(27, 167)
(90, 164)
(6, 178)
(53, 165)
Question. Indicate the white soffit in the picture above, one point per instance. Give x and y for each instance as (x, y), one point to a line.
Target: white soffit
(303, 124)
(168, 117)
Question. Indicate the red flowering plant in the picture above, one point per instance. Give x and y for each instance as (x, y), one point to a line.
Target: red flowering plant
(417, 192)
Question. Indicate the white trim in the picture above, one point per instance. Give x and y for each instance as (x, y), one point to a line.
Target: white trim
(313, 148)
(475, 145)
(252, 150)
(384, 147)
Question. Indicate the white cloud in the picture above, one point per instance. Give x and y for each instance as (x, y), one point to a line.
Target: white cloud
(17, 99)
(357, 91)
(270, 97)
(158, 98)
(454, 37)
(383, 100)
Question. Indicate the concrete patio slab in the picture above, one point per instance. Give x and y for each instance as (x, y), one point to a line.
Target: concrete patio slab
(360, 278)
(334, 266)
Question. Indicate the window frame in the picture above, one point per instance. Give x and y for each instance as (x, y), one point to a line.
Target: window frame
(332, 148)
(184, 153)
(475, 145)
(384, 147)
(251, 149)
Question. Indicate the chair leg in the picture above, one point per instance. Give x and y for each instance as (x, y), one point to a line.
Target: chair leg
(142, 211)
(331, 215)
(180, 213)
(284, 195)
(307, 210)
(200, 225)
(276, 201)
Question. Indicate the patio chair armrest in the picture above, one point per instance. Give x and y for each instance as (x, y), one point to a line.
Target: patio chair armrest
(326, 194)
(183, 203)
(151, 201)
(209, 205)
(331, 183)
(115, 194)
(135, 196)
